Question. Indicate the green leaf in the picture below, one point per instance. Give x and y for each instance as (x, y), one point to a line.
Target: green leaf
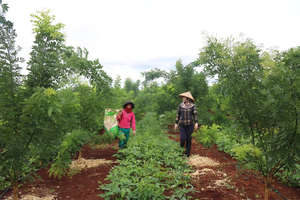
(123, 192)
(50, 109)
(57, 103)
(58, 109)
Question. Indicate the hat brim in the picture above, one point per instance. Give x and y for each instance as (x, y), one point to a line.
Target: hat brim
(132, 105)
(188, 98)
(187, 95)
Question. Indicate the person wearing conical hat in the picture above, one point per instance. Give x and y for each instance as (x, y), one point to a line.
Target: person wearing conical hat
(186, 116)
(126, 119)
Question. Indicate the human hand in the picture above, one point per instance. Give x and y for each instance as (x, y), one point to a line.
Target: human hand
(176, 126)
(120, 114)
(196, 126)
(133, 132)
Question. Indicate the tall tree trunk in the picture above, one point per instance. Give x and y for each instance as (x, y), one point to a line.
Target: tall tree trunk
(79, 156)
(15, 190)
(267, 179)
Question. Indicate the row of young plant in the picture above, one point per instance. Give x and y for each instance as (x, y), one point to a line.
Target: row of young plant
(151, 165)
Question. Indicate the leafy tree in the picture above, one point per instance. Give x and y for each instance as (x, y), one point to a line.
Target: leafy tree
(33, 141)
(80, 120)
(151, 75)
(84, 99)
(92, 70)
(117, 82)
(263, 104)
(92, 104)
(129, 85)
(45, 67)
(186, 78)
(132, 86)
(71, 109)
(145, 100)
(182, 79)
(10, 78)
(10, 98)
(164, 99)
(117, 99)
(216, 107)
(33, 130)
(238, 68)
(120, 95)
(77, 65)
(156, 98)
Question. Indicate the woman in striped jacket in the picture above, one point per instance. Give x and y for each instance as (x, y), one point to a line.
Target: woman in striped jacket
(186, 115)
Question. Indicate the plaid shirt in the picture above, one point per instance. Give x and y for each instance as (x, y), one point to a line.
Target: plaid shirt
(186, 113)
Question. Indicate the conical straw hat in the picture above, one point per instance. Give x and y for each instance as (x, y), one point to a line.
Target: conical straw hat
(188, 95)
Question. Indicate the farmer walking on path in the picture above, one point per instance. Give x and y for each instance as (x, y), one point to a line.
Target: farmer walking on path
(186, 115)
(126, 120)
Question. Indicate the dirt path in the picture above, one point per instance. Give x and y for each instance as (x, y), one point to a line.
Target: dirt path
(222, 181)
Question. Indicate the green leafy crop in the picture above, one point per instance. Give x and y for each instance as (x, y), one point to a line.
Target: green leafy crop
(150, 165)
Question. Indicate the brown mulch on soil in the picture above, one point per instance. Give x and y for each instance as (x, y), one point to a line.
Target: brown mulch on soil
(218, 180)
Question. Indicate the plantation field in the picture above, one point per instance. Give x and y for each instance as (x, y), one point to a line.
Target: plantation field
(219, 181)
(247, 100)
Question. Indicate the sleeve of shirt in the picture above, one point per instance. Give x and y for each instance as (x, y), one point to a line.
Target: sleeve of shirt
(195, 114)
(133, 122)
(178, 115)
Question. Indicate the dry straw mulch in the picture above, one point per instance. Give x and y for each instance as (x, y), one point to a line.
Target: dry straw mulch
(31, 197)
(82, 163)
(200, 161)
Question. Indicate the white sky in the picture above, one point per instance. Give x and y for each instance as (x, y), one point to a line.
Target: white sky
(133, 36)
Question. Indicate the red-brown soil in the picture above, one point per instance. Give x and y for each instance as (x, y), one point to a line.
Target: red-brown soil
(84, 185)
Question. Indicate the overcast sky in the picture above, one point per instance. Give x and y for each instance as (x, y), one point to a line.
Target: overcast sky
(133, 36)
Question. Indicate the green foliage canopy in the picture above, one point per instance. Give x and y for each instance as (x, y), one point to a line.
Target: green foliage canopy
(45, 68)
(264, 104)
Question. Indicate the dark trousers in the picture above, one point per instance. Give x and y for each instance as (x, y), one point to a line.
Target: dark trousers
(185, 137)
